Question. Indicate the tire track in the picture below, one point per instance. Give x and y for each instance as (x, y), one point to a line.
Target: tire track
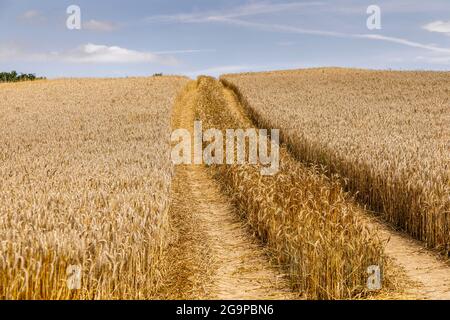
(225, 261)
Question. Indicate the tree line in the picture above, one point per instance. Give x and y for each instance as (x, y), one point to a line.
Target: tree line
(13, 76)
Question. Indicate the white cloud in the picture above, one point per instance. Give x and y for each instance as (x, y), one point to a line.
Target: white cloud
(96, 25)
(88, 53)
(93, 53)
(438, 26)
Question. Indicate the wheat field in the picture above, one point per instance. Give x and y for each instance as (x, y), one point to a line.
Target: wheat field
(386, 133)
(85, 178)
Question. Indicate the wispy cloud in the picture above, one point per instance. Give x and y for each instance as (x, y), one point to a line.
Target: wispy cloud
(404, 42)
(233, 17)
(285, 43)
(350, 7)
(297, 30)
(185, 51)
(216, 71)
(251, 9)
(12, 52)
(32, 16)
(438, 26)
(224, 69)
(103, 26)
(435, 59)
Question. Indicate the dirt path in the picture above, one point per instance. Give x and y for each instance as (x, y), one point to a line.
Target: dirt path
(217, 258)
(242, 270)
(428, 274)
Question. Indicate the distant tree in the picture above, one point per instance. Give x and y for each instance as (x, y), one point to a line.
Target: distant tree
(157, 74)
(13, 76)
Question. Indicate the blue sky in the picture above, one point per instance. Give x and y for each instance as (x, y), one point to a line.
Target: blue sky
(138, 38)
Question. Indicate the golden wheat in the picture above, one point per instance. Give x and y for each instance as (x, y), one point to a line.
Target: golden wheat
(311, 227)
(85, 179)
(387, 133)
